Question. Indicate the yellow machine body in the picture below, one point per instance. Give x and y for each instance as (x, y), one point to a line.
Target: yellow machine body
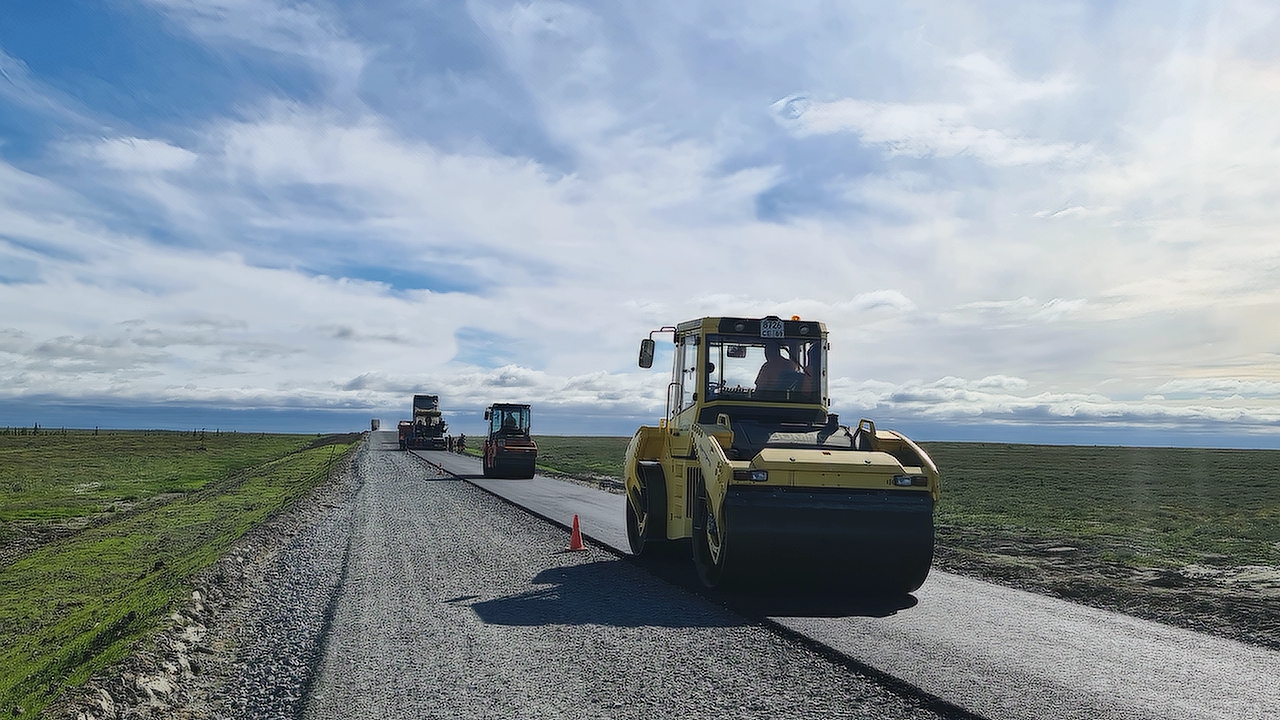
(763, 480)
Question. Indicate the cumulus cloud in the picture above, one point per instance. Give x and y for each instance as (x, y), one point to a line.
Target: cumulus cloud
(997, 400)
(13, 340)
(1219, 388)
(1005, 226)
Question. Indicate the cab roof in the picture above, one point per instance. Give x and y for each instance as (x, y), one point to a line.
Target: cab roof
(751, 326)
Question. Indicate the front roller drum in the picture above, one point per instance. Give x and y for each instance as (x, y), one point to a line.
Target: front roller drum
(876, 542)
(647, 511)
(514, 465)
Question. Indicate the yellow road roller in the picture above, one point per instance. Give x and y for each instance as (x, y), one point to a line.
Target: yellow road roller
(751, 467)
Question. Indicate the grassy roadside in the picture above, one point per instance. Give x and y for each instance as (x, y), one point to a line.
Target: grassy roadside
(1159, 508)
(77, 603)
(52, 484)
(1189, 537)
(1184, 536)
(1151, 507)
(584, 457)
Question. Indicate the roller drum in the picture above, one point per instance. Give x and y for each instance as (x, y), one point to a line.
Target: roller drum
(515, 465)
(873, 541)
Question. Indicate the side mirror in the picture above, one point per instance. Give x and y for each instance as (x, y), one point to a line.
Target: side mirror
(486, 414)
(646, 353)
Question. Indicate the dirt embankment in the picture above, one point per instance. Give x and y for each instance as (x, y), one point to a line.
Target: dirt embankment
(1228, 601)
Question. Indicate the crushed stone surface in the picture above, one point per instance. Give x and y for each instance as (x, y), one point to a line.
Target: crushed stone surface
(394, 592)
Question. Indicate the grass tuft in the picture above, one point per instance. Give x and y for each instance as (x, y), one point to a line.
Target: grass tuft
(77, 600)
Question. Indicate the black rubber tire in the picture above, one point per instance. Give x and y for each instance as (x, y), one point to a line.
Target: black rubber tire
(634, 540)
(484, 465)
(647, 534)
(711, 571)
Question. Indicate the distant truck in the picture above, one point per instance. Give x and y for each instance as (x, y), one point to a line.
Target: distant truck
(374, 424)
(509, 450)
(427, 429)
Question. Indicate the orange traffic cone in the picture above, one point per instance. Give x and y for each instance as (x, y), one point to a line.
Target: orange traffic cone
(575, 538)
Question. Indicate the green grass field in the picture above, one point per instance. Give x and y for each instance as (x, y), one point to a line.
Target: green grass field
(99, 534)
(583, 456)
(121, 522)
(1188, 537)
(1161, 507)
(52, 477)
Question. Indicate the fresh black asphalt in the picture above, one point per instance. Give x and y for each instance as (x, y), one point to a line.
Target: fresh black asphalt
(991, 651)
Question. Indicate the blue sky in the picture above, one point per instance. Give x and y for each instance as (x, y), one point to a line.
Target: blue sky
(1034, 222)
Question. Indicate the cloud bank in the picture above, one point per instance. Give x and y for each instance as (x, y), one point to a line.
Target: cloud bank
(1067, 219)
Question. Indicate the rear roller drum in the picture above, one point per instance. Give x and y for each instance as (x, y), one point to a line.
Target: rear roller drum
(647, 511)
(709, 541)
(512, 468)
(527, 471)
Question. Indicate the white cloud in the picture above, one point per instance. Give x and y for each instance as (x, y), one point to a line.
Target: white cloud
(980, 123)
(1219, 388)
(141, 154)
(1113, 236)
(293, 29)
(1026, 308)
(924, 130)
(992, 400)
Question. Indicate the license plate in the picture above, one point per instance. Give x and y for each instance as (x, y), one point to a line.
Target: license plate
(771, 329)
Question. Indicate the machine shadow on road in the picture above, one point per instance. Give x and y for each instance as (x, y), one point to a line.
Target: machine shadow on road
(818, 603)
(788, 600)
(601, 593)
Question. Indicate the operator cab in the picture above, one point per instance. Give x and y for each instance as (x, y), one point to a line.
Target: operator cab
(508, 420)
(765, 369)
(767, 376)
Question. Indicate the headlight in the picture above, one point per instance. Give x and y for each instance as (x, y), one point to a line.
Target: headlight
(751, 475)
(502, 443)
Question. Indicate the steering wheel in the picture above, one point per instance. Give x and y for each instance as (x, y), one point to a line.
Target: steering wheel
(791, 381)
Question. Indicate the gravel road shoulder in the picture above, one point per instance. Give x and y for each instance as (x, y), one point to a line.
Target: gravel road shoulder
(458, 604)
(392, 592)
